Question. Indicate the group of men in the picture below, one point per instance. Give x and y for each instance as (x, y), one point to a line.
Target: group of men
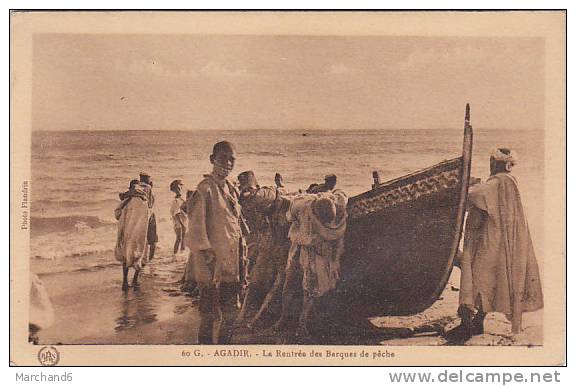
(276, 253)
(270, 251)
(251, 244)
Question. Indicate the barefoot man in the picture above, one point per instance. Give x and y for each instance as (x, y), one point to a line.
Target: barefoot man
(133, 215)
(499, 268)
(214, 239)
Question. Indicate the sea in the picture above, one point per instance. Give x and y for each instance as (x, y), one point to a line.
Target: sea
(77, 175)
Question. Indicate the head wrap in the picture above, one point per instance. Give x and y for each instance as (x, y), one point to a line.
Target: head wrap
(133, 183)
(174, 184)
(145, 177)
(507, 156)
(329, 177)
(247, 179)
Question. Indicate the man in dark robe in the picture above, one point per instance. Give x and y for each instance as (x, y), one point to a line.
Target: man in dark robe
(267, 250)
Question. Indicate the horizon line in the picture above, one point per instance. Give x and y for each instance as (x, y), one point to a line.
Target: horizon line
(293, 129)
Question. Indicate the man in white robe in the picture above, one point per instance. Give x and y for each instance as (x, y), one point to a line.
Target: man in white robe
(499, 271)
(215, 241)
(133, 219)
(313, 268)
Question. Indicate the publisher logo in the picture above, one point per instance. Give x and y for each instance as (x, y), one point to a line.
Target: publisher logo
(48, 356)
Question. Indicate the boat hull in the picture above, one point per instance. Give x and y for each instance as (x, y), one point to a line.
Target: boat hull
(401, 241)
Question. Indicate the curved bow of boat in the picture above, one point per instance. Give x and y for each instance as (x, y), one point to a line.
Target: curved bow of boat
(402, 238)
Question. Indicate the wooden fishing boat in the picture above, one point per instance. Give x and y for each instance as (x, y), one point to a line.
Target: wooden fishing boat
(402, 238)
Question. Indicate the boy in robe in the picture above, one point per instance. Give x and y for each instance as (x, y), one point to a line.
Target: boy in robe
(215, 241)
(499, 271)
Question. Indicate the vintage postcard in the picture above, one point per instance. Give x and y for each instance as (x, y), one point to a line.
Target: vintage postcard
(288, 188)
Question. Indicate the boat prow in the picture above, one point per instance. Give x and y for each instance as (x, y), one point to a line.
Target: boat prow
(401, 240)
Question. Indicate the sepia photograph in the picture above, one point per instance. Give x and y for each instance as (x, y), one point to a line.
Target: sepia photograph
(302, 188)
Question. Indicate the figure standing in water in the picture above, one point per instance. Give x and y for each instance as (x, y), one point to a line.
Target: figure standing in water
(152, 236)
(178, 216)
(499, 268)
(133, 216)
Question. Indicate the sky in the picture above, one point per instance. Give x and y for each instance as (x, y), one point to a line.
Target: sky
(235, 82)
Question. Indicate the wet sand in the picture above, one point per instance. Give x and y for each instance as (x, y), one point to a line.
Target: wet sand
(90, 308)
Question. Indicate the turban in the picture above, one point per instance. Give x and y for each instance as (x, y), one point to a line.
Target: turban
(174, 184)
(507, 156)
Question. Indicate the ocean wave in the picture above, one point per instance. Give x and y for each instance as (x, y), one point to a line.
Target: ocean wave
(266, 153)
(44, 225)
(92, 268)
(83, 156)
(71, 253)
(54, 175)
(47, 203)
(97, 156)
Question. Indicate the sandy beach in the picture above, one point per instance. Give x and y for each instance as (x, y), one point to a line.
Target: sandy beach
(90, 308)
